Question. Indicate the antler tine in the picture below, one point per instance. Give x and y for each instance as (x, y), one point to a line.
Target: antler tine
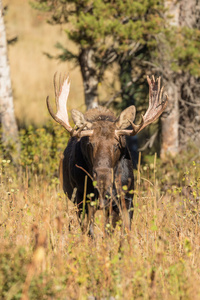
(155, 109)
(156, 105)
(61, 96)
(61, 116)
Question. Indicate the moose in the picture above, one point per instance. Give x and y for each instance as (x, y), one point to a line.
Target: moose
(97, 161)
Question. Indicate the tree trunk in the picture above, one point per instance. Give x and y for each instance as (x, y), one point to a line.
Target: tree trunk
(127, 94)
(8, 122)
(189, 122)
(89, 75)
(170, 120)
(127, 86)
(182, 121)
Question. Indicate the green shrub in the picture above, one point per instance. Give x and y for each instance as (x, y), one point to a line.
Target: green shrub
(41, 148)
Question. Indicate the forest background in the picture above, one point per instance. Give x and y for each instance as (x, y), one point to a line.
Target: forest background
(115, 46)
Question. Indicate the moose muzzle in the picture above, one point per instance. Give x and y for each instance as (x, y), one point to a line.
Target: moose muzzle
(104, 179)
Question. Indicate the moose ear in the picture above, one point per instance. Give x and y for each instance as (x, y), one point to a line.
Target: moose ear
(126, 115)
(79, 119)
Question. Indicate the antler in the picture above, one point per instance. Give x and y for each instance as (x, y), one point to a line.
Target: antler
(61, 115)
(155, 109)
(61, 101)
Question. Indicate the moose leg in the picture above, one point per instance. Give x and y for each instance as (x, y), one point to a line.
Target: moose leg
(81, 220)
(130, 208)
(115, 218)
(127, 211)
(86, 224)
(82, 211)
(111, 218)
(125, 216)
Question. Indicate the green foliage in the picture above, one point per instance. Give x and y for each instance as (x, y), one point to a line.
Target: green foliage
(134, 31)
(107, 25)
(116, 25)
(12, 273)
(41, 148)
(66, 54)
(42, 6)
(186, 51)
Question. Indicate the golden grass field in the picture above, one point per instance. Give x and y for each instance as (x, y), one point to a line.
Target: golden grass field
(43, 254)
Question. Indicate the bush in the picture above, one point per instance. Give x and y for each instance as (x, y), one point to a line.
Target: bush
(41, 148)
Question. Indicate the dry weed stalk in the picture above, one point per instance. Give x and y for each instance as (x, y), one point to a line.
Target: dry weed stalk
(38, 262)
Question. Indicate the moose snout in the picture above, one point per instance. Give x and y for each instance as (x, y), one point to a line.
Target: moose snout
(103, 177)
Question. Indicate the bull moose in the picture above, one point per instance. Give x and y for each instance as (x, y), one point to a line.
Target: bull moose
(97, 161)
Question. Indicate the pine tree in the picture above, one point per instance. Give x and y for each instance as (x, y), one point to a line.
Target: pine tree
(105, 32)
(143, 38)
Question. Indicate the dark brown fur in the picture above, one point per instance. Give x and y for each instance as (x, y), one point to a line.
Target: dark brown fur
(107, 160)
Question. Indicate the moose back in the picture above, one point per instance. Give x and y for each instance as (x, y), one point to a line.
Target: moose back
(96, 161)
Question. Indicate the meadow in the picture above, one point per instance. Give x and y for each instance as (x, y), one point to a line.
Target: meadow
(43, 253)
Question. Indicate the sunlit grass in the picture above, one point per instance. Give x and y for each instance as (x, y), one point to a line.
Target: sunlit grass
(45, 255)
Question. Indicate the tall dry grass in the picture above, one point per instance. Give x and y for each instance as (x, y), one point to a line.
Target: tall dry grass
(44, 255)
